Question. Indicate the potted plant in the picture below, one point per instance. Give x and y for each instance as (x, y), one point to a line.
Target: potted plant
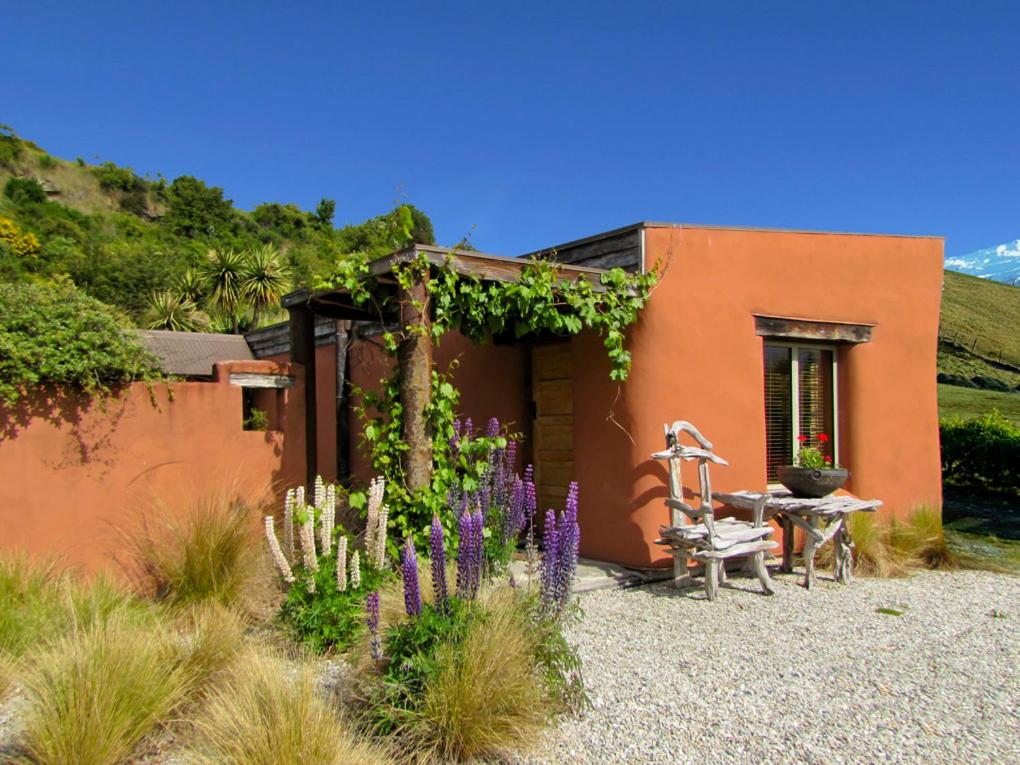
(813, 474)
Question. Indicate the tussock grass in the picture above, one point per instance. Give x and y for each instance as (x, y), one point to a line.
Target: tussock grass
(874, 555)
(39, 603)
(206, 553)
(485, 698)
(265, 714)
(94, 694)
(896, 548)
(29, 608)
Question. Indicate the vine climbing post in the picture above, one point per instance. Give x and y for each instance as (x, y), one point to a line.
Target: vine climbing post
(414, 360)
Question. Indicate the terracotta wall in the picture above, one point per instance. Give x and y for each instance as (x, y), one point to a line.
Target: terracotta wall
(73, 471)
(696, 357)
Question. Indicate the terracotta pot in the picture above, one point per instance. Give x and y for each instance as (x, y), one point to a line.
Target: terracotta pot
(811, 482)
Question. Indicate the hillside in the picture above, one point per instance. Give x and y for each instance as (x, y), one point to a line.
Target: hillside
(123, 238)
(980, 329)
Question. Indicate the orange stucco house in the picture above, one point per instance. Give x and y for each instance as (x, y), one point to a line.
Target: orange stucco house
(756, 336)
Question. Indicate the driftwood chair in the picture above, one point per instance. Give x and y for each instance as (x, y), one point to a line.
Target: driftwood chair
(695, 532)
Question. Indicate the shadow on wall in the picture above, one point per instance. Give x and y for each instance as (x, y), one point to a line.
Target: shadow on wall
(73, 411)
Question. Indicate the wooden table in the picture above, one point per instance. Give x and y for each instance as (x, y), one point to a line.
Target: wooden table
(822, 520)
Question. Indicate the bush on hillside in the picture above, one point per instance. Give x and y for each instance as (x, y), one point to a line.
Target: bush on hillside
(54, 334)
(982, 452)
(24, 190)
(110, 176)
(197, 210)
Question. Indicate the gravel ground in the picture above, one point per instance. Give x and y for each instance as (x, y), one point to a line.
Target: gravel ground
(802, 677)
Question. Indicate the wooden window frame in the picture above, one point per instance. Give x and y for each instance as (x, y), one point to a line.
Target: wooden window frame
(795, 347)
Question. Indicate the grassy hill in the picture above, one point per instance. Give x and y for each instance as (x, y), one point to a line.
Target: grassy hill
(979, 335)
(123, 238)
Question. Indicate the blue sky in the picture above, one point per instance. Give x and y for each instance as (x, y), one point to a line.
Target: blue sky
(533, 124)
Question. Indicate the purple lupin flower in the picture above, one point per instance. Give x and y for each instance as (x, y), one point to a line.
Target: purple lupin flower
(514, 520)
(550, 562)
(510, 457)
(438, 563)
(529, 474)
(412, 591)
(372, 618)
(455, 439)
(492, 429)
(570, 541)
(469, 429)
(477, 553)
(483, 496)
(530, 500)
(465, 528)
(465, 501)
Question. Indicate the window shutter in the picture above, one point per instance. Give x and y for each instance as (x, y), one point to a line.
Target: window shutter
(814, 409)
(778, 409)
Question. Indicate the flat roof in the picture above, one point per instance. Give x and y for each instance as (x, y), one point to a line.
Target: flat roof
(660, 224)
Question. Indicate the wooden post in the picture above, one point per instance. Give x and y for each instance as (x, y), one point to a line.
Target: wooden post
(302, 351)
(414, 362)
(343, 430)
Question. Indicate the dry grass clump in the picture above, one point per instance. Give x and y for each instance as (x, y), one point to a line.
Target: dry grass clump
(29, 607)
(39, 603)
(486, 698)
(207, 553)
(896, 548)
(271, 713)
(873, 553)
(94, 694)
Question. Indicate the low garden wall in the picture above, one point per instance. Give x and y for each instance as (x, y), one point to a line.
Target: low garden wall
(75, 472)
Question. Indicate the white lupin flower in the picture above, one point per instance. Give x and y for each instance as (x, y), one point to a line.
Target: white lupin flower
(380, 539)
(319, 493)
(326, 521)
(372, 516)
(308, 542)
(288, 524)
(277, 553)
(355, 570)
(341, 563)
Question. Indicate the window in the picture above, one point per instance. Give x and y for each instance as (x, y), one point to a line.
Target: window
(800, 400)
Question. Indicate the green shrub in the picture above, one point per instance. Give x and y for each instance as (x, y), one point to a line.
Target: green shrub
(206, 553)
(111, 177)
(328, 618)
(264, 715)
(24, 191)
(10, 146)
(195, 209)
(982, 452)
(54, 334)
(46, 162)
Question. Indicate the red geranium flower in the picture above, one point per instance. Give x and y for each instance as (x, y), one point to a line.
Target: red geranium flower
(828, 460)
(822, 437)
(802, 439)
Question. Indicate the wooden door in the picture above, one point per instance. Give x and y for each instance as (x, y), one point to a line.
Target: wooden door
(552, 425)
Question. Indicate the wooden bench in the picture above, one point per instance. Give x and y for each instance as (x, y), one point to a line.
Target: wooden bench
(694, 532)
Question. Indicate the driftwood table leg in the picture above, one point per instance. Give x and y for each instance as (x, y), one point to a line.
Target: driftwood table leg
(787, 566)
(844, 553)
(758, 561)
(810, 545)
(711, 578)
